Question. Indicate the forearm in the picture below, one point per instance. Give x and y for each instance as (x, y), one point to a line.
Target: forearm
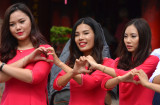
(67, 69)
(153, 86)
(111, 83)
(108, 70)
(63, 80)
(18, 73)
(21, 62)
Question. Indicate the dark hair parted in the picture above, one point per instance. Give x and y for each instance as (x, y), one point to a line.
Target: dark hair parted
(8, 42)
(127, 60)
(75, 53)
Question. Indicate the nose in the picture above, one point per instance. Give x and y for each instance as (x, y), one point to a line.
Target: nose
(18, 27)
(80, 37)
(128, 39)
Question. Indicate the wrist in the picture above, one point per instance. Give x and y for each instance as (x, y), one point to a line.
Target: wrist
(119, 78)
(146, 84)
(98, 67)
(60, 64)
(73, 73)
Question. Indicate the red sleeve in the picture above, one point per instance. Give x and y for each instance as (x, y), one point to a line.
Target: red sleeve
(41, 69)
(55, 85)
(104, 82)
(148, 66)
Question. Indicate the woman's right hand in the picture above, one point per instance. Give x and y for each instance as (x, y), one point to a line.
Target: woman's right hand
(38, 54)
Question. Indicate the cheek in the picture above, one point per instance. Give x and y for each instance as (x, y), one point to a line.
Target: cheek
(76, 41)
(11, 30)
(124, 41)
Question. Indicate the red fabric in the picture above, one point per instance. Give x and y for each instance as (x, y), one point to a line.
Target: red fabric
(131, 94)
(89, 92)
(20, 93)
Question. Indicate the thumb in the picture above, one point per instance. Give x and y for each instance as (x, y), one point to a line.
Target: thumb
(43, 58)
(135, 82)
(138, 82)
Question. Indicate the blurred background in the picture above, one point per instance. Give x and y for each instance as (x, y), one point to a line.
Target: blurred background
(111, 14)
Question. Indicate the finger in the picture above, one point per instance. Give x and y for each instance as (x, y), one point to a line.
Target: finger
(50, 49)
(49, 60)
(77, 61)
(138, 82)
(86, 71)
(135, 82)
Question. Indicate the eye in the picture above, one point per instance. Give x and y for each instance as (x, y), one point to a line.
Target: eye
(134, 35)
(22, 21)
(11, 25)
(86, 33)
(76, 34)
(125, 35)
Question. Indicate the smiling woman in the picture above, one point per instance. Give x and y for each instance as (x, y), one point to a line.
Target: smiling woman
(87, 38)
(84, 38)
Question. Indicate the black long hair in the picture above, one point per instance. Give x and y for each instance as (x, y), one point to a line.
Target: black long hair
(75, 53)
(127, 60)
(8, 42)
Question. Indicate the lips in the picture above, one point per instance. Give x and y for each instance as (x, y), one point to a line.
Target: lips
(20, 33)
(82, 44)
(129, 46)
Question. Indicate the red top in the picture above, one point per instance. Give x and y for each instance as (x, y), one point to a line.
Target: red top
(89, 92)
(21, 93)
(130, 93)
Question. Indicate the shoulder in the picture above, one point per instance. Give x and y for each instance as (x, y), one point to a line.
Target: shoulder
(152, 59)
(45, 45)
(106, 59)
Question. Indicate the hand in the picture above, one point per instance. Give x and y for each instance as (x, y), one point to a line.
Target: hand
(36, 55)
(56, 61)
(143, 78)
(128, 77)
(92, 62)
(79, 66)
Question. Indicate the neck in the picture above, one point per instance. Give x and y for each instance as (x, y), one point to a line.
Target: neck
(23, 45)
(86, 54)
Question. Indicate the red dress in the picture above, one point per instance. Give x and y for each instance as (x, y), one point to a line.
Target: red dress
(89, 92)
(21, 93)
(130, 93)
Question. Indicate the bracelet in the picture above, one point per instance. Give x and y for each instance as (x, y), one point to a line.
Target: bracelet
(2, 66)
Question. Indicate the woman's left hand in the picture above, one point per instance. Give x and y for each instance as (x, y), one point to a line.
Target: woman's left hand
(92, 62)
(143, 78)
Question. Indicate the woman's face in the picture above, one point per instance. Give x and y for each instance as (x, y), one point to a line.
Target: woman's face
(84, 38)
(131, 38)
(20, 25)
